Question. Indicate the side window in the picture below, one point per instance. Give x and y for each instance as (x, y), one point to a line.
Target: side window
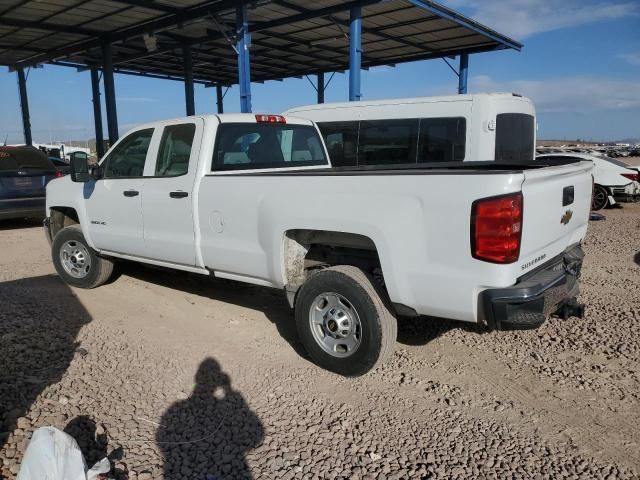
(388, 142)
(514, 137)
(442, 140)
(175, 150)
(241, 146)
(128, 158)
(341, 139)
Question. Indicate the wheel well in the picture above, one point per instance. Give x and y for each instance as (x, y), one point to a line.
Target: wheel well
(62, 217)
(306, 251)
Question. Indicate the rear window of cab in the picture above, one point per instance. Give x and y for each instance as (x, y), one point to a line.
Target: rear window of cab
(245, 146)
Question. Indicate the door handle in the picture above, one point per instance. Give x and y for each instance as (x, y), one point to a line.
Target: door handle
(131, 193)
(178, 194)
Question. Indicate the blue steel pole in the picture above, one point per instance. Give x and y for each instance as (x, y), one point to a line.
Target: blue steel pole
(189, 99)
(97, 111)
(24, 106)
(109, 93)
(243, 43)
(355, 53)
(463, 72)
(219, 99)
(320, 87)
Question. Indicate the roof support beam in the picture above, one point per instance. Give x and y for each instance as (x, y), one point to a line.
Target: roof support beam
(355, 53)
(97, 111)
(448, 14)
(243, 43)
(150, 4)
(463, 71)
(109, 93)
(188, 81)
(49, 27)
(24, 106)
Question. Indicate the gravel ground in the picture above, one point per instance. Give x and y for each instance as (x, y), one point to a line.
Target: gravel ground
(177, 376)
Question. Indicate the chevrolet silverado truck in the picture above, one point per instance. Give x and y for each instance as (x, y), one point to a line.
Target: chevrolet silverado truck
(253, 198)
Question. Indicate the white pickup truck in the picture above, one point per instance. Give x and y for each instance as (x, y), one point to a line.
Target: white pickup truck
(253, 198)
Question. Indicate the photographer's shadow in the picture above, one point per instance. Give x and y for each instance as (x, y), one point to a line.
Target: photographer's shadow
(208, 435)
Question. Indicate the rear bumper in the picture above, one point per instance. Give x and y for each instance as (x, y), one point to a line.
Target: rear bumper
(22, 207)
(628, 193)
(529, 302)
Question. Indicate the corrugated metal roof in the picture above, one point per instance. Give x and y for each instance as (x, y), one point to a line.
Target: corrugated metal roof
(289, 37)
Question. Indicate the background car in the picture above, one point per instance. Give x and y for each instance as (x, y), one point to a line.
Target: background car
(613, 179)
(24, 174)
(63, 167)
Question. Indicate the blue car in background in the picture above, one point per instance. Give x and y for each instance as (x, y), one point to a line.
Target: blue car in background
(24, 174)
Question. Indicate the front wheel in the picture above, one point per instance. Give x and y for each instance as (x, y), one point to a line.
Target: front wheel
(77, 263)
(344, 321)
(600, 198)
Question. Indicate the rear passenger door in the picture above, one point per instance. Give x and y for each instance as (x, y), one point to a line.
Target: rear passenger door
(167, 194)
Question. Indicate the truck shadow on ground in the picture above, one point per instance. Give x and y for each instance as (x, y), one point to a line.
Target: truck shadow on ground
(272, 302)
(18, 223)
(40, 318)
(208, 435)
(421, 330)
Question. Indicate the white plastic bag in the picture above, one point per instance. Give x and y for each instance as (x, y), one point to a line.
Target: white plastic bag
(54, 455)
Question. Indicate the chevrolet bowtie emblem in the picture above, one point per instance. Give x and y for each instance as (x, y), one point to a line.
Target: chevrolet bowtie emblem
(566, 217)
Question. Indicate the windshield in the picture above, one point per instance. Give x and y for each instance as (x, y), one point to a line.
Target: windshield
(515, 133)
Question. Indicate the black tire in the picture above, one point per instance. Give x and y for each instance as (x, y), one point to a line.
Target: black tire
(378, 326)
(100, 268)
(600, 198)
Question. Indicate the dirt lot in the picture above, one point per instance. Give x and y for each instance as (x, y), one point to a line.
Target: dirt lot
(178, 376)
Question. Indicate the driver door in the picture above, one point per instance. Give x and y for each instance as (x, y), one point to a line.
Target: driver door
(113, 203)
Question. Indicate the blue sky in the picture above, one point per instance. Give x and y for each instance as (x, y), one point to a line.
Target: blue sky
(580, 64)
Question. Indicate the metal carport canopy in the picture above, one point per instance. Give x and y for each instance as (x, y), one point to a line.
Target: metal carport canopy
(289, 38)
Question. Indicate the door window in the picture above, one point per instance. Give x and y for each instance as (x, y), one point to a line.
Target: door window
(341, 139)
(128, 158)
(388, 142)
(442, 140)
(175, 150)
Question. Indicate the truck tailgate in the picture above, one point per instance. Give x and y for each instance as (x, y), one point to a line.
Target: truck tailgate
(556, 206)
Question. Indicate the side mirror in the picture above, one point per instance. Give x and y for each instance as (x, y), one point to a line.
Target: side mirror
(79, 169)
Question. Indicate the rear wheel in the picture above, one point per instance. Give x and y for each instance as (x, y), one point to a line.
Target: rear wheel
(344, 321)
(600, 198)
(77, 263)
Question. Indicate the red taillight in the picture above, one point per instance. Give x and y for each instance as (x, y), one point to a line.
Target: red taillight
(496, 228)
(59, 173)
(634, 177)
(270, 119)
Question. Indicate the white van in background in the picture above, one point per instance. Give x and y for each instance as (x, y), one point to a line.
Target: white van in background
(478, 127)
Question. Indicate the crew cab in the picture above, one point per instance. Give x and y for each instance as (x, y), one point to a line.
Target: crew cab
(254, 198)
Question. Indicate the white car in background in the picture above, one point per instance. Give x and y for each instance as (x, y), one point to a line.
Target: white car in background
(614, 181)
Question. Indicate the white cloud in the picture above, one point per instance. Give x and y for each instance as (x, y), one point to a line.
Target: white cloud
(568, 94)
(522, 18)
(631, 58)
